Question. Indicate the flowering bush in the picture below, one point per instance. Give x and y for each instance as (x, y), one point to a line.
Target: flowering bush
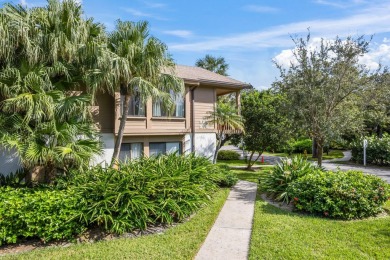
(344, 195)
(275, 183)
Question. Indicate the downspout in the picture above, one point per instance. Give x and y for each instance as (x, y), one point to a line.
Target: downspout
(193, 118)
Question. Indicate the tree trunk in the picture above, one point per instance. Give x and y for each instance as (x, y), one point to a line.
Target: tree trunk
(50, 172)
(217, 147)
(320, 147)
(118, 141)
(379, 132)
(314, 148)
(252, 163)
(249, 167)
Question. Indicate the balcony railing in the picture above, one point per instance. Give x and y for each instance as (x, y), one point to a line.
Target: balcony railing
(228, 130)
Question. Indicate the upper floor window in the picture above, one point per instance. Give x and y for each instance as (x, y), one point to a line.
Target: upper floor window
(136, 106)
(160, 110)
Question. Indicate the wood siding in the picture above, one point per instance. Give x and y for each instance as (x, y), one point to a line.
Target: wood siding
(107, 115)
(103, 113)
(205, 101)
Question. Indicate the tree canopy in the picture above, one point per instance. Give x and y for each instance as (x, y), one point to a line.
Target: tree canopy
(321, 84)
(266, 126)
(214, 64)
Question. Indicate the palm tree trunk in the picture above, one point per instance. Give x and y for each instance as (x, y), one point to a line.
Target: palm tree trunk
(118, 141)
(218, 146)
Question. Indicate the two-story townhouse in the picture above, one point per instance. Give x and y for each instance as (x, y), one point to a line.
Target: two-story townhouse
(150, 130)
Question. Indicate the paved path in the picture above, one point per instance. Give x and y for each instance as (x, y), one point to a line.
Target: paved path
(229, 238)
(267, 158)
(382, 172)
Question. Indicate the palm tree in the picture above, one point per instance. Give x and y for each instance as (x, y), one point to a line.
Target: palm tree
(211, 63)
(141, 58)
(45, 54)
(226, 118)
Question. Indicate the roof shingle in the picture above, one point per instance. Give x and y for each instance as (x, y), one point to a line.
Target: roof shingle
(203, 76)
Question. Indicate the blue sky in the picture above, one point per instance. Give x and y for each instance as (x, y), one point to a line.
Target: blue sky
(248, 34)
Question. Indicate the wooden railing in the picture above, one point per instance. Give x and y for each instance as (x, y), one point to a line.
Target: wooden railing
(228, 130)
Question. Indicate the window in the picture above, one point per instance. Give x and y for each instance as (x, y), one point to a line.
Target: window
(159, 110)
(130, 151)
(164, 148)
(136, 106)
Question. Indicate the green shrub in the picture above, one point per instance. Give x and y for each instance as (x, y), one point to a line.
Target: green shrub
(344, 195)
(157, 189)
(298, 146)
(228, 178)
(301, 145)
(40, 212)
(378, 150)
(152, 190)
(16, 179)
(276, 182)
(228, 155)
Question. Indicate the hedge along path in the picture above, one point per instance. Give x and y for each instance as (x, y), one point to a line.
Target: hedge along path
(229, 238)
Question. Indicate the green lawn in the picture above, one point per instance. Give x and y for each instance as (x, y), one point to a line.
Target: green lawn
(238, 163)
(333, 154)
(180, 242)
(278, 234)
(252, 176)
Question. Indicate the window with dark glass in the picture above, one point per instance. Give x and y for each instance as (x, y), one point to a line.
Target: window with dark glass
(159, 110)
(164, 148)
(130, 151)
(136, 106)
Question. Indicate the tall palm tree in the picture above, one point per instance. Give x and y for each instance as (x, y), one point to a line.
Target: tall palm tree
(45, 54)
(214, 64)
(142, 59)
(226, 118)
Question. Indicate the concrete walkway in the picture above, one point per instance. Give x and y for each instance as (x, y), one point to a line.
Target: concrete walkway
(229, 238)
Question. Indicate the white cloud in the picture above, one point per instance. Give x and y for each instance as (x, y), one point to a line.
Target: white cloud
(179, 33)
(260, 9)
(137, 13)
(378, 54)
(341, 4)
(154, 5)
(371, 20)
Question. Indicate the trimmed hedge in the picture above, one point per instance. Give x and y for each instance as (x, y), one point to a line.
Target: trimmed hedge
(301, 145)
(378, 150)
(228, 155)
(42, 213)
(160, 189)
(343, 195)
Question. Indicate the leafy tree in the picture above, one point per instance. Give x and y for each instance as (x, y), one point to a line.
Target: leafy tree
(375, 103)
(45, 55)
(142, 60)
(227, 119)
(214, 64)
(266, 126)
(321, 85)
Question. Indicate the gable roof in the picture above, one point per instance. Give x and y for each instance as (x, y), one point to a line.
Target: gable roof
(200, 76)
